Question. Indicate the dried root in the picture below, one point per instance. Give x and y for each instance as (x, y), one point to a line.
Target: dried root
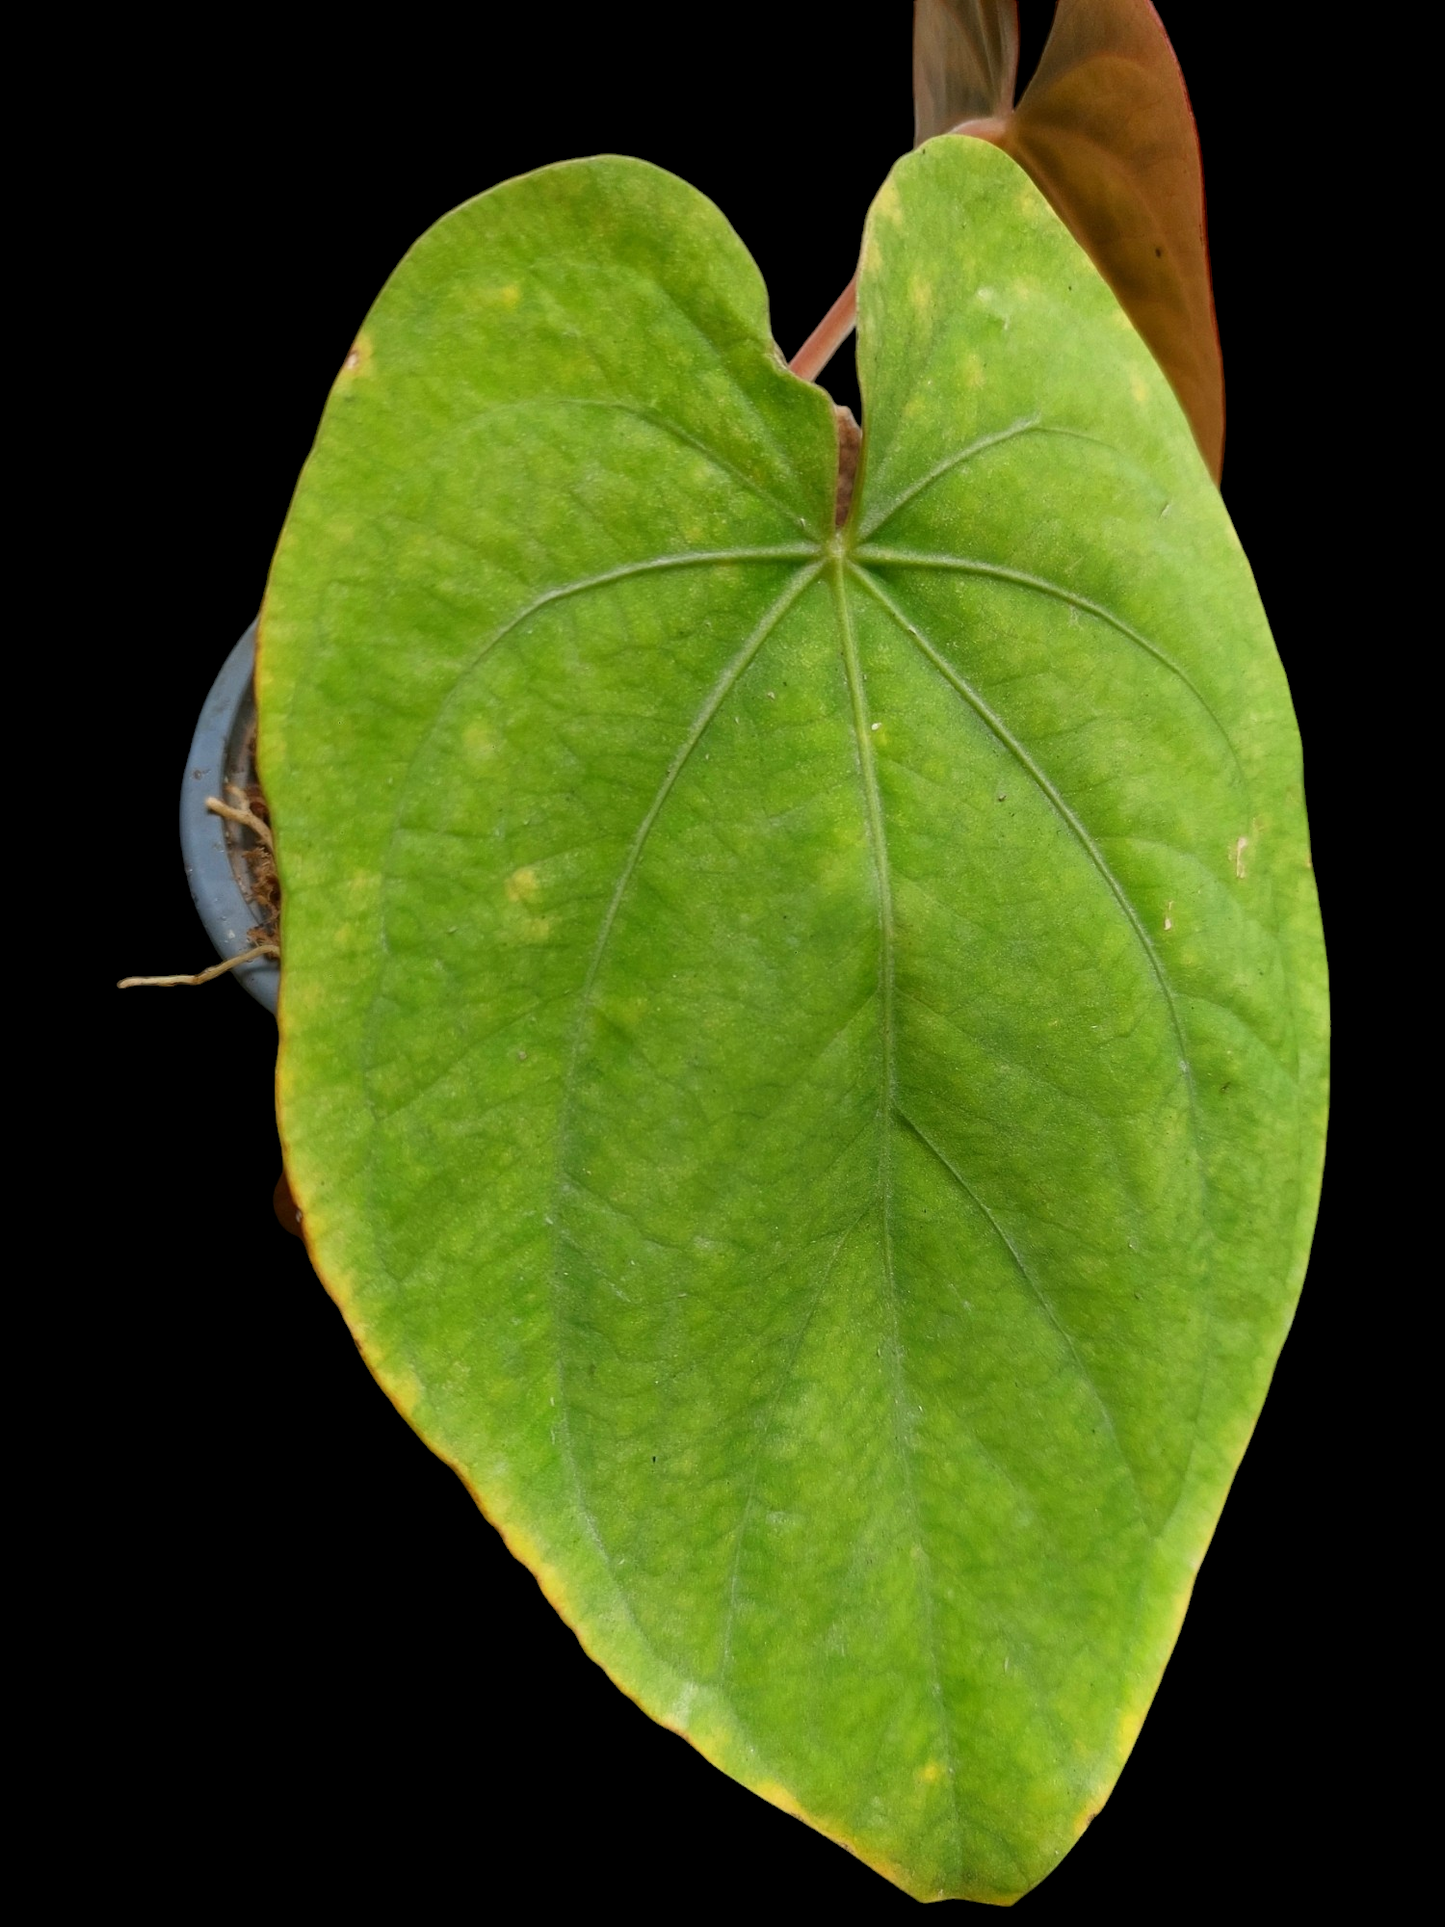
(244, 816)
(262, 889)
(202, 976)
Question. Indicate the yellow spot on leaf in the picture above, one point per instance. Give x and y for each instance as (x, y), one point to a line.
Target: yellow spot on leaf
(522, 885)
(886, 204)
(931, 1774)
(405, 1389)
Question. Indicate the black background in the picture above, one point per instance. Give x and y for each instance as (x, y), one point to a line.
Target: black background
(320, 1672)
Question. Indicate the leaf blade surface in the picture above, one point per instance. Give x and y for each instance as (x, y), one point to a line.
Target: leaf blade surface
(731, 1047)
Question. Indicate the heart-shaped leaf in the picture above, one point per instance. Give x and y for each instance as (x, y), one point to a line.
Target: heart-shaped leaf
(1106, 131)
(802, 1053)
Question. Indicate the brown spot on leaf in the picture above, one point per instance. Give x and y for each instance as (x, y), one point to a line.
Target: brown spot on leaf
(358, 356)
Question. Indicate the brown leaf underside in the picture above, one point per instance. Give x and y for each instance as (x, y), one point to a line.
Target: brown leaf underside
(1106, 131)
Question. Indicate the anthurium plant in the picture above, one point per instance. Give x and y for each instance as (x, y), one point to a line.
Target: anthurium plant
(803, 1022)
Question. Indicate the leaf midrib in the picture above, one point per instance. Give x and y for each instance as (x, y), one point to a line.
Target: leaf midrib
(878, 841)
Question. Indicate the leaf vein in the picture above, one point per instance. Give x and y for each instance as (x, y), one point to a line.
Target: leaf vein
(1044, 1303)
(999, 729)
(1041, 585)
(765, 1432)
(716, 696)
(995, 724)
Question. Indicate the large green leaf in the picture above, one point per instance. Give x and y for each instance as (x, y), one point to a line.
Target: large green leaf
(801, 1053)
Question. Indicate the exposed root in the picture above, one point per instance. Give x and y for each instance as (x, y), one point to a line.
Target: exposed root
(245, 816)
(260, 884)
(202, 976)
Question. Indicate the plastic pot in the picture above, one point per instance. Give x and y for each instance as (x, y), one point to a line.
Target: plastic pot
(214, 850)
